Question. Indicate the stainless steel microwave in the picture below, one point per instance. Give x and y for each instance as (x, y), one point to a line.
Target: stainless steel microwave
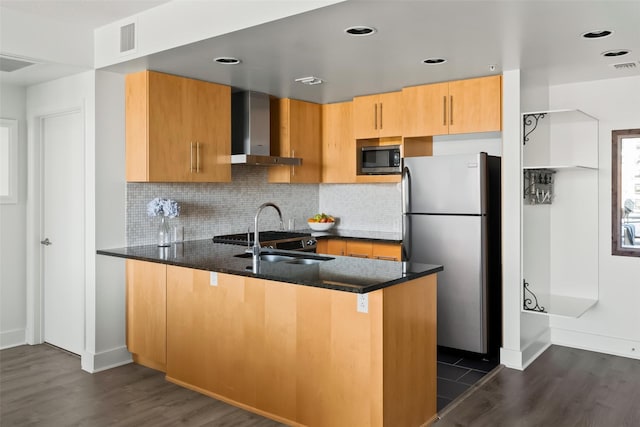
(379, 160)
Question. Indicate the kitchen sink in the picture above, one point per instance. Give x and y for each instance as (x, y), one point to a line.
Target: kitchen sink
(268, 257)
(290, 257)
(308, 261)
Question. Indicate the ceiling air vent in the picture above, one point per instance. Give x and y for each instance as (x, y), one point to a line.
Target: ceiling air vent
(624, 66)
(128, 38)
(12, 63)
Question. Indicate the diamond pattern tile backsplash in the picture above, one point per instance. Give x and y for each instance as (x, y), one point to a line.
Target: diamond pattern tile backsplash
(223, 208)
(369, 207)
(208, 209)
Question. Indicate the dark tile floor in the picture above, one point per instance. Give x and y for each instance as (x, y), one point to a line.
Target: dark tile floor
(457, 371)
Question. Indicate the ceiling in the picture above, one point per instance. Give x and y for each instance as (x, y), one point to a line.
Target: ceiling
(541, 38)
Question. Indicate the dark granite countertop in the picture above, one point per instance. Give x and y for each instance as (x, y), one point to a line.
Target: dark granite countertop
(340, 273)
(383, 236)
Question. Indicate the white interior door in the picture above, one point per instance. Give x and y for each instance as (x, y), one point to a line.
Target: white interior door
(63, 230)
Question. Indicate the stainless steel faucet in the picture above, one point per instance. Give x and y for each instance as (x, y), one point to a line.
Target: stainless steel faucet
(256, 237)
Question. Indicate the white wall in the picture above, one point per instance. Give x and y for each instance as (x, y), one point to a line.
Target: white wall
(179, 23)
(100, 95)
(13, 231)
(612, 325)
(38, 37)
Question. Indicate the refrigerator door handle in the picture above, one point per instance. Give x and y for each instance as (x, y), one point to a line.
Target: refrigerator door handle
(406, 219)
(406, 190)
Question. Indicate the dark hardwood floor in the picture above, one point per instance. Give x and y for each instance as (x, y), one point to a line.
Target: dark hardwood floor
(564, 387)
(44, 386)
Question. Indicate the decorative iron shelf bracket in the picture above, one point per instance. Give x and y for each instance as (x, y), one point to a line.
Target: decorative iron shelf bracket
(529, 303)
(528, 120)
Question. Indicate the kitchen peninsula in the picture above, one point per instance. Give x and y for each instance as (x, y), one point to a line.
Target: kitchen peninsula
(337, 342)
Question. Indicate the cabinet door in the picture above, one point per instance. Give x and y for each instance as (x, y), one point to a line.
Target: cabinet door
(365, 117)
(335, 247)
(390, 112)
(168, 137)
(297, 134)
(386, 251)
(426, 110)
(359, 249)
(338, 143)
(476, 105)
(177, 129)
(146, 313)
(207, 114)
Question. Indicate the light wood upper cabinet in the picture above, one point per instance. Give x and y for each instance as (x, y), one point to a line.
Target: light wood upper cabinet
(338, 144)
(146, 313)
(463, 106)
(177, 129)
(296, 132)
(377, 116)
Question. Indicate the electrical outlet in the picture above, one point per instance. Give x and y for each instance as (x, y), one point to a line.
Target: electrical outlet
(363, 303)
(213, 278)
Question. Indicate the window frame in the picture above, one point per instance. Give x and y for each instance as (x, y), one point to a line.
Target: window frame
(12, 173)
(616, 204)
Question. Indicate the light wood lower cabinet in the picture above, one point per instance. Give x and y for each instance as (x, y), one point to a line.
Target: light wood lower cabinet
(305, 355)
(360, 249)
(146, 313)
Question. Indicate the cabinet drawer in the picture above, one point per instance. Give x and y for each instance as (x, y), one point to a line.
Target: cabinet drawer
(387, 251)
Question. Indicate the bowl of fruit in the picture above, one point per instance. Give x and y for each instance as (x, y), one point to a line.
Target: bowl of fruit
(321, 222)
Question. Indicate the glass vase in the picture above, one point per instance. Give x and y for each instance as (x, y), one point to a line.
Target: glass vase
(164, 233)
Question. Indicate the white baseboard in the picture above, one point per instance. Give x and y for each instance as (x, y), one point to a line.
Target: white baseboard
(536, 348)
(598, 343)
(519, 360)
(511, 358)
(12, 338)
(96, 362)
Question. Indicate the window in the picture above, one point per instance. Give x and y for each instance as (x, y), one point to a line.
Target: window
(8, 161)
(625, 192)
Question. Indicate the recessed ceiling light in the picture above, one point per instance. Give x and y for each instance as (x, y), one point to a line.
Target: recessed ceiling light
(617, 52)
(597, 34)
(360, 30)
(432, 61)
(311, 81)
(227, 60)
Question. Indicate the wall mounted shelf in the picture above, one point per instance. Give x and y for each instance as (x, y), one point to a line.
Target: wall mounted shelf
(560, 229)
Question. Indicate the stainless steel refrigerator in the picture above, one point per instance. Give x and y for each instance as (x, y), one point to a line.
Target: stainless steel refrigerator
(451, 216)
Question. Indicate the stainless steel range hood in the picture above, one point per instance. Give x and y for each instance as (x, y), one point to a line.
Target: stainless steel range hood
(251, 133)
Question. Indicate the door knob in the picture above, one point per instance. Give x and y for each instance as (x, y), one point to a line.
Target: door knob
(45, 242)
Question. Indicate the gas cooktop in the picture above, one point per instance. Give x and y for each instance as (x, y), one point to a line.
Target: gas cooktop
(290, 240)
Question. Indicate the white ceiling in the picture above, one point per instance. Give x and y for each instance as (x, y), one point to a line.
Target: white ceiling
(541, 38)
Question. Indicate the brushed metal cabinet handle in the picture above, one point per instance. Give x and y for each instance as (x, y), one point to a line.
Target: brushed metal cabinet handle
(386, 258)
(451, 110)
(444, 110)
(381, 126)
(359, 255)
(197, 157)
(375, 116)
(191, 157)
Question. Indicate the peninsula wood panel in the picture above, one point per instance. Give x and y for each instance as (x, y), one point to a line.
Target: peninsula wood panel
(296, 132)
(299, 354)
(409, 356)
(338, 144)
(146, 315)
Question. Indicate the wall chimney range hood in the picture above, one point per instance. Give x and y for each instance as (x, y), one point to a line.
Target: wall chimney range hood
(251, 132)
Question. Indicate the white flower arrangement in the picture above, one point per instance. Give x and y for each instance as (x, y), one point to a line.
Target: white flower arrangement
(163, 207)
